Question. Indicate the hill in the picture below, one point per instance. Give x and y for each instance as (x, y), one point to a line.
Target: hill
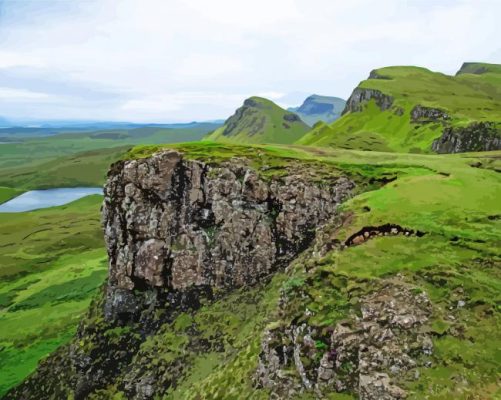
(260, 121)
(319, 108)
(412, 109)
(394, 294)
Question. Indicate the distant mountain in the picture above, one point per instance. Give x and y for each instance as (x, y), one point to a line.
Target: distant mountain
(260, 121)
(13, 132)
(412, 109)
(320, 108)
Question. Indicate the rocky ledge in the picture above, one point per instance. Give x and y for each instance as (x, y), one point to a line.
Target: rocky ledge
(478, 136)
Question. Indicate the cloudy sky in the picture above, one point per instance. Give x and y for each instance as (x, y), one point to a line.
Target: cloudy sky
(184, 60)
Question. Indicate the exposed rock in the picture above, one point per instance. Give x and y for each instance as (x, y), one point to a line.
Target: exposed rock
(362, 95)
(173, 224)
(369, 232)
(374, 74)
(478, 136)
(379, 344)
(422, 114)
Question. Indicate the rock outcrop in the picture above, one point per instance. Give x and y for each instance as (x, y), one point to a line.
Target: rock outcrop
(364, 354)
(478, 136)
(422, 114)
(180, 232)
(360, 96)
(173, 224)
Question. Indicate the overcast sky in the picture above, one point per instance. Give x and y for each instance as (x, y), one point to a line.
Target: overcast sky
(184, 60)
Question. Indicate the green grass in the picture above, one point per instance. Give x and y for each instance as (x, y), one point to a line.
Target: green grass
(51, 263)
(260, 121)
(466, 98)
(7, 193)
(455, 203)
(81, 169)
(78, 159)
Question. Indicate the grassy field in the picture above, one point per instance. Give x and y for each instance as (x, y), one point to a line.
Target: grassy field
(466, 98)
(51, 263)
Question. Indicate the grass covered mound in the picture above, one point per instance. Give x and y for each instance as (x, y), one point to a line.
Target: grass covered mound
(449, 206)
(405, 109)
(260, 121)
(51, 263)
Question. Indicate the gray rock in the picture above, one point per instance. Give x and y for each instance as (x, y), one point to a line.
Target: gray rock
(478, 136)
(360, 96)
(173, 224)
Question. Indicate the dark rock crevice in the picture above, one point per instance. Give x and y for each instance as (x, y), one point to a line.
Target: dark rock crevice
(370, 232)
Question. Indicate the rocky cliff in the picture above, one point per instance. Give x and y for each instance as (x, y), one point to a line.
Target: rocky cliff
(180, 233)
(362, 95)
(478, 136)
(172, 225)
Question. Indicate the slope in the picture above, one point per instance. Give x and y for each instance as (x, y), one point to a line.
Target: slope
(260, 121)
(406, 109)
(396, 297)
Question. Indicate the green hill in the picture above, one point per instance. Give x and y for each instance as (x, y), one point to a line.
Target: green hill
(260, 121)
(319, 108)
(408, 108)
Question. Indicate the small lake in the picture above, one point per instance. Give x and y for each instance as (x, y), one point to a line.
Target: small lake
(35, 199)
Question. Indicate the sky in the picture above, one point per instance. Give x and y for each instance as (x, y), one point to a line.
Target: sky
(187, 60)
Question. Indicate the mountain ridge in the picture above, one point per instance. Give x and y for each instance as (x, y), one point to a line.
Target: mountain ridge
(260, 120)
(407, 108)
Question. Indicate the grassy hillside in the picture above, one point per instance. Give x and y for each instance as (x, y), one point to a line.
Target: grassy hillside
(260, 121)
(51, 263)
(31, 151)
(473, 95)
(87, 168)
(452, 199)
(320, 108)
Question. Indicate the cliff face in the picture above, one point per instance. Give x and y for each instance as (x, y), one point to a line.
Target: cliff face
(172, 225)
(478, 136)
(361, 95)
(180, 232)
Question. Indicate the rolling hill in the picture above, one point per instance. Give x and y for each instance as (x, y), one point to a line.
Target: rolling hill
(412, 109)
(319, 108)
(260, 121)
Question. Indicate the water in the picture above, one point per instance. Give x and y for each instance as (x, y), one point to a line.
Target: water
(35, 199)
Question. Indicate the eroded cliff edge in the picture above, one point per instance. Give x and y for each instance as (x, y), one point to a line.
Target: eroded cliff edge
(180, 233)
(172, 225)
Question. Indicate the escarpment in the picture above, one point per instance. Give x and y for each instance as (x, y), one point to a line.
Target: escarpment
(478, 136)
(173, 225)
(362, 95)
(181, 233)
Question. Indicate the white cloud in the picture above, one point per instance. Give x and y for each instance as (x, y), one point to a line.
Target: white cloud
(20, 94)
(166, 60)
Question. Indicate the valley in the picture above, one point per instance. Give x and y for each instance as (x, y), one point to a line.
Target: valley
(263, 257)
